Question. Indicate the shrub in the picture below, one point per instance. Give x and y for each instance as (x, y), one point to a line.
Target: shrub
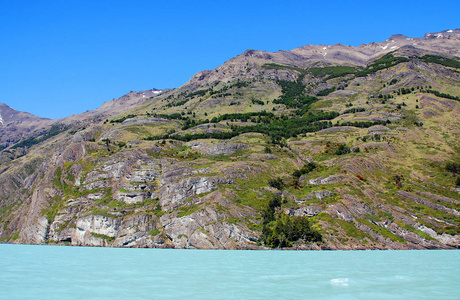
(281, 230)
(276, 183)
(285, 230)
(342, 149)
(257, 101)
(305, 169)
(452, 167)
(325, 92)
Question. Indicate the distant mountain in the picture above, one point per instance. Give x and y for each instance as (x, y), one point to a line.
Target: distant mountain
(320, 147)
(18, 125)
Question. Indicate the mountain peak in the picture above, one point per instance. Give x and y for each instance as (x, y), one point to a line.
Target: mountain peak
(397, 37)
(11, 115)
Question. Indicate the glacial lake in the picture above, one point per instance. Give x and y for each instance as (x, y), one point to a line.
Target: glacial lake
(53, 272)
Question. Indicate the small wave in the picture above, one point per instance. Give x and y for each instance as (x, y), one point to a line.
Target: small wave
(340, 282)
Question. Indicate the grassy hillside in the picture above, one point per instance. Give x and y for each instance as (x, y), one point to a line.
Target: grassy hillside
(340, 157)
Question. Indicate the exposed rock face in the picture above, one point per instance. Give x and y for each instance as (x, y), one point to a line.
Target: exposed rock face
(309, 211)
(219, 149)
(203, 229)
(174, 193)
(320, 180)
(99, 225)
(133, 197)
(135, 179)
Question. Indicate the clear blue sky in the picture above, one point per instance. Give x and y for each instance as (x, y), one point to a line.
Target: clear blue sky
(59, 58)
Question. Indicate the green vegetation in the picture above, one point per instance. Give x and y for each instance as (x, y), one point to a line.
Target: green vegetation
(54, 130)
(329, 72)
(174, 116)
(257, 101)
(354, 110)
(199, 93)
(281, 230)
(342, 149)
(452, 167)
(363, 124)
(109, 239)
(187, 210)
(244, 117)
(349, 227)
(442, 95)
(276, 183)
(154, 232)
(305, 169)
(277, 128)
(332, 71)
(387, 61)
(123, 119)
(269, 123)
(282, 67)
(179, 103)
(453, 230)
(416, 231)
(325, 92)
(380, 177)
(448, 62)
(294, 96)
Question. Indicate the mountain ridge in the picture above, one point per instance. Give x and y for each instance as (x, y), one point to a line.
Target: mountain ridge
(309, 54)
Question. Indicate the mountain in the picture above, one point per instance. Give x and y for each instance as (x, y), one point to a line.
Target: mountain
(320, 147)
(16, 125)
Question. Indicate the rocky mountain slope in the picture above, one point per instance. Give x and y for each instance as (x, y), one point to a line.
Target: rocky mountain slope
(321, 147)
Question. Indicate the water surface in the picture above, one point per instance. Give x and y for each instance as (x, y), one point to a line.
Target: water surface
(53, 272)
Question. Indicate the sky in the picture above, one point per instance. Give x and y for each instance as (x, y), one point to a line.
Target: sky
(62, 57)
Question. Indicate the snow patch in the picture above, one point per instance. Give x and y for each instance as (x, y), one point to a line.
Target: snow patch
(450, 31)
(384, 47)
(394, 47)
(324, 48)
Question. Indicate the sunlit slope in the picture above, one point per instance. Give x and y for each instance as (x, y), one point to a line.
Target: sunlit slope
(264, 151)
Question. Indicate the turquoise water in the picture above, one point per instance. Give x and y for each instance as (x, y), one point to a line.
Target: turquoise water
(52, 272)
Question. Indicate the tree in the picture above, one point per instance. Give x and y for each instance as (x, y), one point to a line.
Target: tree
(276, 183)
(342, 149)
(107, 143)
